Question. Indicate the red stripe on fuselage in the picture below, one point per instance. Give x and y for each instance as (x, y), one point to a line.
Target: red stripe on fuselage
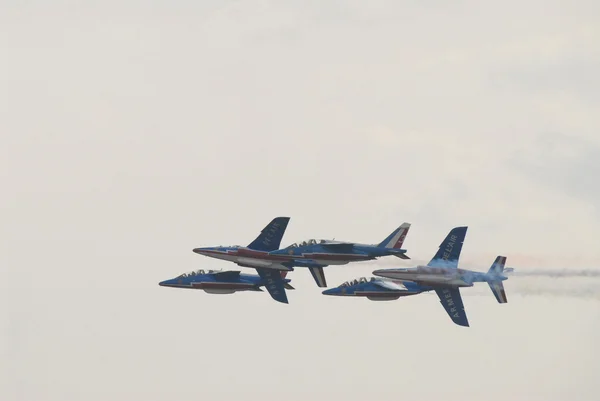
(250, 253)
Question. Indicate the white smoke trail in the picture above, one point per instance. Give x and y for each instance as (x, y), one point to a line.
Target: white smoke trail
(562, 273)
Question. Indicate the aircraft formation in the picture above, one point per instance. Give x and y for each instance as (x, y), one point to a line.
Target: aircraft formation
(272, 264)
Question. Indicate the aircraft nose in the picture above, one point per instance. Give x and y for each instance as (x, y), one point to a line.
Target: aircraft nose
(331, 291)
(200, 251)
(166, 283)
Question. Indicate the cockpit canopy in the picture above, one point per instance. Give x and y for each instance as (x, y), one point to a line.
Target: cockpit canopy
(199, 272)
(307, 243)
(357, 281)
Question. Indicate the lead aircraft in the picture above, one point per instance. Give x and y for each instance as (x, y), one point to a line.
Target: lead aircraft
(221, 282)
(255, 256)
(444, 277)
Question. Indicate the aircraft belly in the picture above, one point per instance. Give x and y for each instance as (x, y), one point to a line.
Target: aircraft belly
(251, 262)
(222, 288)
(383, 296)
(218, 291)
(261, 264)
(326, 262)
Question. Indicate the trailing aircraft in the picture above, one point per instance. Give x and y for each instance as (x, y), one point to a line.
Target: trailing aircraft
(225, 282)
(443, 276)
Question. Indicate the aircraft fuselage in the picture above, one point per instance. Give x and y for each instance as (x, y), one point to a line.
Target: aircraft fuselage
(244, 257)
(281, 261)
(438, 276)
(213, 287)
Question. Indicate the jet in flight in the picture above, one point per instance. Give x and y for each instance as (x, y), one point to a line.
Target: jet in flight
(256, 256)
(316, 254)
(377, 289)
(264, 253)
(225, 282)
(445, 278)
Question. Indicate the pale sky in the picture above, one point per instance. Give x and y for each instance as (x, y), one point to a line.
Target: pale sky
(134, 131)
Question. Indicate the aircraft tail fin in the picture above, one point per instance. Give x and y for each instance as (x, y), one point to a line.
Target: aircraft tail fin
(498, 289)
(497, 269)
(498, 266)
(396, 238)
(270, 237)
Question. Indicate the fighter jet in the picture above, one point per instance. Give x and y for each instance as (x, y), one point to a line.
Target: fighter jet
(316, 254)
(224, 282)
(377, 289)
(256, 256)
(445, 278)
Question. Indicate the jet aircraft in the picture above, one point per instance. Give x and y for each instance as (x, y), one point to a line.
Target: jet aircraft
(255, 256)
(443, 276)
(224, 282)
(377, 289)
(316, 254)
(264, 253)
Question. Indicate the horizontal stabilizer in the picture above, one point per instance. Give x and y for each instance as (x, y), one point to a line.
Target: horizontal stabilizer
(396, 238)
(270, 237)
(498, 289)
(453, 304)
(318, 275)
(449, 250)
(288, 286)
(401, 255)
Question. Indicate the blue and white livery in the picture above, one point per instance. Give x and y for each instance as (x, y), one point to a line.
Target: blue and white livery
(226, 282)
(445, 278)
(316, 254)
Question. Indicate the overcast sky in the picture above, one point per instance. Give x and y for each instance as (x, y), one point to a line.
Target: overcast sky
(133, 131)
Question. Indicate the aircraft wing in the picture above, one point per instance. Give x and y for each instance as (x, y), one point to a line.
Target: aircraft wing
(342, 247)
(270, 237)
(274, 284)
(449, 251)
(453, 304)
(228, 275)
